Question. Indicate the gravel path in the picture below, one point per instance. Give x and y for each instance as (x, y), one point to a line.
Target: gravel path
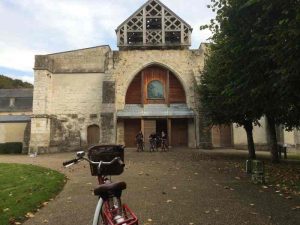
(173, 188)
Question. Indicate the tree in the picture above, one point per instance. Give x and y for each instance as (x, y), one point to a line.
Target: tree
(221, 95)
(262, 58)
(7, 83)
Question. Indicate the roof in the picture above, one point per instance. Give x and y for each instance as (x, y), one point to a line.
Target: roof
(12, 119)
(16, 93)
(158, 2)
(156, 110)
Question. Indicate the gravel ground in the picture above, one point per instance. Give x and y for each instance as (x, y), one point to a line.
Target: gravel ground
(173, 188)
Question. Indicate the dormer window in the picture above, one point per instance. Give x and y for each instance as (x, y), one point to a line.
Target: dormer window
(12, 102)
(154, 25)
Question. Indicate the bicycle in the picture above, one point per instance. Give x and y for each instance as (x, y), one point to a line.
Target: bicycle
(153, 144)
(109, 209)
(164, 145)
(140, 145)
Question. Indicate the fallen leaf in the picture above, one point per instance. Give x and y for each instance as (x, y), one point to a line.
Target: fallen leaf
(29, 215)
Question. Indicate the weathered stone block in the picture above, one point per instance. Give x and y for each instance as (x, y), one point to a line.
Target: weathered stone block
(108, 92)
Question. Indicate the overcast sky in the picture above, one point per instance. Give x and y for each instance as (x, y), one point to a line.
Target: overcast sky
(32, 27)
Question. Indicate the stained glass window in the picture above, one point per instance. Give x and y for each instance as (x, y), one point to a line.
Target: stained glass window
(155, 90)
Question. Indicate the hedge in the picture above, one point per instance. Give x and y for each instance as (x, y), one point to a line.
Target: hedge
(11, 148)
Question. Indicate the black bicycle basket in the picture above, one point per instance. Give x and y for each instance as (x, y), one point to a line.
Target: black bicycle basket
(106, 153)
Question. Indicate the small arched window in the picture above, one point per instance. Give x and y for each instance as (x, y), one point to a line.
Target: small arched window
(155, 90)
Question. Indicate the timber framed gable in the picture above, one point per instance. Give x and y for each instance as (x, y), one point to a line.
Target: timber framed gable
(152, 26)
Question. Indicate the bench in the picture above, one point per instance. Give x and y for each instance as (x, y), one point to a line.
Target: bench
(282, 148)
(257, 170)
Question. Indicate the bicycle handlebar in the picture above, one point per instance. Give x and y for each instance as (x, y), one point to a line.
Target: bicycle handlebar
(81, 157)
(73, 161)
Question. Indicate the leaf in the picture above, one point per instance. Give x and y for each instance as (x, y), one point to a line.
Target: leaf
(29, 215)
(6, 209)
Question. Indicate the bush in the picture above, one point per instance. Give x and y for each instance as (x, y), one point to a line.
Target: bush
(11, 148)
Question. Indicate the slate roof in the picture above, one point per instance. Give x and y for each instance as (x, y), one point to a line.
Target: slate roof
(15, 93)
(11, 118)
(157, 111)
(23, 100)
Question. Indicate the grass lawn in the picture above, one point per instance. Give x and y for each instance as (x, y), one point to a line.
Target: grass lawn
(24, 189)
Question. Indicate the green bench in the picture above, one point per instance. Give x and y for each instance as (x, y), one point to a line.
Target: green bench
(257, 170)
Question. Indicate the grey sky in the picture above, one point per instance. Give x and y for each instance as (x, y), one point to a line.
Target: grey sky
(30, 27)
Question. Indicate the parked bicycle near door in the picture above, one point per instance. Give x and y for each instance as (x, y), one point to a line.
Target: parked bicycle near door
(107, 160)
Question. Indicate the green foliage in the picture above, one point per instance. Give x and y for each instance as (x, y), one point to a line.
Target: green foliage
(9, 83)
(11, 148)
(254, 62)
(24, 188)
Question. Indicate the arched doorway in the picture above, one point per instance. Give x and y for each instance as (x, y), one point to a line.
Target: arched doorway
(93, 134)
(155, 101)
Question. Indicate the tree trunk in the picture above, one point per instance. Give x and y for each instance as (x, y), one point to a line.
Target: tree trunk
(249, 130)
(273, 139)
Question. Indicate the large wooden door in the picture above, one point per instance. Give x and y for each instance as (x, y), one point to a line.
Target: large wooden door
(131, 128)
(149, 127)
(222, 136)
(93, 135)
(179, 132)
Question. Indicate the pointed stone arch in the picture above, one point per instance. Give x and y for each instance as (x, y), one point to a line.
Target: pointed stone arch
(138, 84)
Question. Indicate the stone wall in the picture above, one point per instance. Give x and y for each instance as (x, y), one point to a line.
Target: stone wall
(12, 132)
(185, 64)
(89, 60)
(68, 94)
(260, 136)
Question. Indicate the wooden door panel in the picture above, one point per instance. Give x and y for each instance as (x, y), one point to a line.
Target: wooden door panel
(179, 132)
(131, 128)
(93, 135)
(149, 127)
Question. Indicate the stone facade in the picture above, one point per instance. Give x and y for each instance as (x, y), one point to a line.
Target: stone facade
(79, 93)
(68, 98)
